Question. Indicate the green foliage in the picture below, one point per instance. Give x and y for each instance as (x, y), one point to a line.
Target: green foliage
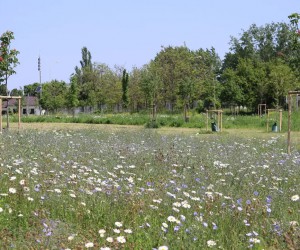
(30, 89)
(294, 19)
(125, 89)
(167, 120)
(152, 124)
(54, 95)
(8, 57)
(16, 92)
(72, 95)
(260, 68)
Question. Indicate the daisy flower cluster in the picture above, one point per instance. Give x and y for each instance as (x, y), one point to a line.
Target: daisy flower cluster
(88, 188)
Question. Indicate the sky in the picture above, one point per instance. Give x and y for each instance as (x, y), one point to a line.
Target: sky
(124, 33)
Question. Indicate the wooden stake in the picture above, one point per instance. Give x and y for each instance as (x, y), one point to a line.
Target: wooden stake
(280, 120)
(19, 120)
(268, 122)
(19, 108)
(206, 120)
(221, 126)
(289, 123)
(0, 115)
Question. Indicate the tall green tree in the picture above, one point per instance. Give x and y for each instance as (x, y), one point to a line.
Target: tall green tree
(251, 58)
(86, 79)
(171, 64)
(8, 57)
(125, 89)
(31, 89)
(294, 20)
(151, 85)
(54, 95)
(8, 61)
(16, 92)
(72, 95)
(295, 43)
(281, 80)
(86, 62)
(210, 71)
(135, 94)
(232, 92)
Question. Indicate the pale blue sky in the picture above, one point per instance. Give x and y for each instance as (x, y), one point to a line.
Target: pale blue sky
(125, 33)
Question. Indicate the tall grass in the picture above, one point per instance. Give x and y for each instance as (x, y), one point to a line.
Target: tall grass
(175, 120)
(66, 189)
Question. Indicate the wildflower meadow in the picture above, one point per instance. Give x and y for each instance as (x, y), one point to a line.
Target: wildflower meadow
(140, 189)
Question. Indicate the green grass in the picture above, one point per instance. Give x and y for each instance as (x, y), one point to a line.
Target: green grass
(60, 187)
(168, 120)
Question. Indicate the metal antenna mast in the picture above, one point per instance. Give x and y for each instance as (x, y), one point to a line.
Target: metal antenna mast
(39, 69)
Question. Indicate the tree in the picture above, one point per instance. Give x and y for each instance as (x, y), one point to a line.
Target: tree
(125, 89)
(295, 42)
(17, 92)
(135, 94)
(86, 62)
(54, 95)
(232, 93)
(8, 57)
(72, 95)
(85, 78)
(281, 80)
(171, 64)
(294, 20)
(8, 61)
(210, 71)
(185, 90)
(3, 89)
(31, 89)
(151, 86)
(249, 67)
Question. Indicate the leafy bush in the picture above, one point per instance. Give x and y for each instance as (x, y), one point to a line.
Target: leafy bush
(152, 124)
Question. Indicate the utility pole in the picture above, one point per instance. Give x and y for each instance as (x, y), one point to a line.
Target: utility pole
(40, 70)
(40, 87)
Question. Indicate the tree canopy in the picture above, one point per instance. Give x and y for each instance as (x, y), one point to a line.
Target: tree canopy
(261, 66)
(8, 59)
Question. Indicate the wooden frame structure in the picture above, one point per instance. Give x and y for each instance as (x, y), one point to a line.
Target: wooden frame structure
(19, 110)
(153, 112)
(220, 118)
(280, 117)
(260, 109)
(290, 94)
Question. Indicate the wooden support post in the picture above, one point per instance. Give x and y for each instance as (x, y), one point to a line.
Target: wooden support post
(221, 121)
(218, 120)
(280, 120)
(19, 110)
(19, 114)
(260, 109)
(206, 120)
(0, 115)
(289, 123)
(268, 122)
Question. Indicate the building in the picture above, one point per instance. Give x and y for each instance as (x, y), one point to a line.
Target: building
(30, 105)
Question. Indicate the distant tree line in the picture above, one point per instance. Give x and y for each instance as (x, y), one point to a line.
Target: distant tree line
(263, 64)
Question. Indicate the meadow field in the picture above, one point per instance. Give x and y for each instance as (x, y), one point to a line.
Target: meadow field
(90, 186)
